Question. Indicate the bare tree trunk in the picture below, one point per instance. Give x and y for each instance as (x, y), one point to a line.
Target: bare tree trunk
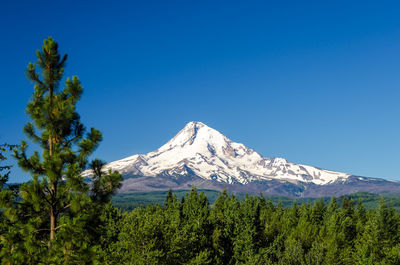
(52, 224)
(53, 220)
(53, 214)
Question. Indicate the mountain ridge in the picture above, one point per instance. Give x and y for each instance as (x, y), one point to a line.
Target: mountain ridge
(202, 156)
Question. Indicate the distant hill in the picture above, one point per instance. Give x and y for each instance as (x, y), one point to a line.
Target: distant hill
(134, 200)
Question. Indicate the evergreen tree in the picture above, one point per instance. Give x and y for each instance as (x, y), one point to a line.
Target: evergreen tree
(293, 254)
(253, 231)
(104, 184)
(332, 207)
(388, 224)
(176, 237)
(8, 193)
(305, 231)
(142, 239)
(293, 216)
(56, 127)
(248, 230)
(4, 176)
(102, 216)
(225, 216)
(347, 206)
(197, 228)
(318, 212)
(360, 218)
(50, 219)
(6, 190)
(110, 224)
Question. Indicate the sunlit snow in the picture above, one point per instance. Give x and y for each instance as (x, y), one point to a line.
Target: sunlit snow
(207, 152)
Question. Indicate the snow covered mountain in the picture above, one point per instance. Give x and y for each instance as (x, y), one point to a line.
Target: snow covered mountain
(201, 156)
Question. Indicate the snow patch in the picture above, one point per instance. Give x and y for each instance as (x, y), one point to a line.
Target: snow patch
(211, 155)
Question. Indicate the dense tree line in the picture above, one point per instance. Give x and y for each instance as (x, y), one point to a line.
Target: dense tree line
(131, 201)
(252, 231)
(230, 231)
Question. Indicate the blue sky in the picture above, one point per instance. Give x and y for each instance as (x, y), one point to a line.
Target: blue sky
(315, 82)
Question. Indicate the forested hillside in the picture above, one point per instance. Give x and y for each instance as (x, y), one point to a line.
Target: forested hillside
(131, 201)
(252, 231)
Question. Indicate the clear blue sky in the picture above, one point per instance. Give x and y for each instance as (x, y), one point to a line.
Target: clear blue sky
(316, 82)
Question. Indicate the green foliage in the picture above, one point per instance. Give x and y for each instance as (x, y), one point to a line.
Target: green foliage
(54, 217)
(4, 148)
(131, 201)
(255, 231)
(104, 184)
(57, 218)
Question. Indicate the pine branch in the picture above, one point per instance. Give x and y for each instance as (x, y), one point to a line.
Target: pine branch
(62, 195)
(58, 227)
(30, 131)
(64, 208)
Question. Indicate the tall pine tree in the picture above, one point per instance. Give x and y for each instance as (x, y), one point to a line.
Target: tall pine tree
(57, 188)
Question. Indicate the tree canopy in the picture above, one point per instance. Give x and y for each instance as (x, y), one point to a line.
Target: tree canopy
(255, 231)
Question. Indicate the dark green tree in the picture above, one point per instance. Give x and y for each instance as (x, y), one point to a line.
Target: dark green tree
(103, 219)
(5, 189)
(142, 238)
(225, 217)
(318, 212)
(3, 149)
(57, 183)
(252, 231)
(104, 183)
(8, 193)
(52, 213)
(360, 218)
(109, 225)
(196, 229)
(248, 230)
(379, 242)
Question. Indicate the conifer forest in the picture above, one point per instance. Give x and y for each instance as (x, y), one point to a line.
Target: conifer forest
(58, 217)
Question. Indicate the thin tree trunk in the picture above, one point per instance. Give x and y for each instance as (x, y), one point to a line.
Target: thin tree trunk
(53, 221)
(52, 224)
(53, 216)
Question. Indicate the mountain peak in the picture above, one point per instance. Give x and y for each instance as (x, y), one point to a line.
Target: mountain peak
(195, 132)
(202, 156)
(193, 124)
(210, 155)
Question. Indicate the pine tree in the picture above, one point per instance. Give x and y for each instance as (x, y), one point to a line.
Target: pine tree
(294, 253)
(4, 176)
(318, 212)
(99, 224)
(248, 231)
(104, 184)
(55, 197)
(176, 237)
(332, 207)
(196, 227)
(8, 193)
(111, 220)
(6, 190)
(360, 216)
(142, 238)
(225, 217)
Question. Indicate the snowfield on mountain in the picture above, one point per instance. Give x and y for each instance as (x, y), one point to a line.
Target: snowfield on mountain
(202, 156)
